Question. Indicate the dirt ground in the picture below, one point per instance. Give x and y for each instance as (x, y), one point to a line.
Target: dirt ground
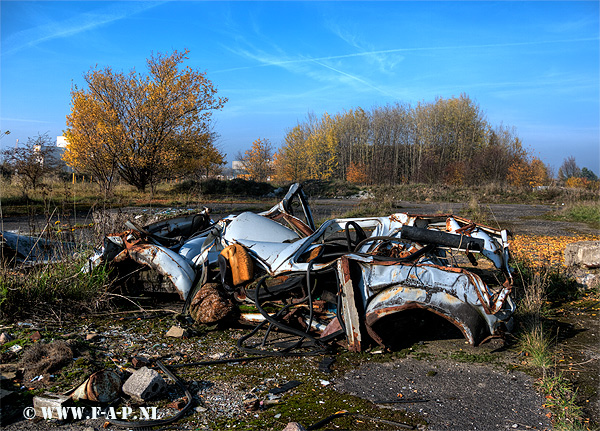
(458, 387)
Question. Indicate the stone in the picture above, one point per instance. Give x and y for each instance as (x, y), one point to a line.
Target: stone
(144, 384)
(583, 253)
(52, 402)
(91, 336)
(178, 404)
(139, 362)
(251, 405)
(177, 332)
(294, 426)
(5, 338)
(589, 280)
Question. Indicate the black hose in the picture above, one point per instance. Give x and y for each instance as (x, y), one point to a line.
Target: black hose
(159, 422)
(328, 419)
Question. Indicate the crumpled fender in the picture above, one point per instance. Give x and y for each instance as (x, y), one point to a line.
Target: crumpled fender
(166, 262)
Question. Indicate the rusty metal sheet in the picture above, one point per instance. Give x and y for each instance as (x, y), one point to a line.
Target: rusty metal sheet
(351, 313)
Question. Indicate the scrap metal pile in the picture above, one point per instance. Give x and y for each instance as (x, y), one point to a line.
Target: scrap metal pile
(348, 280)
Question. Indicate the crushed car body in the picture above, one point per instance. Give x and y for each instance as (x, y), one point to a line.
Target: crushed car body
(346, 279)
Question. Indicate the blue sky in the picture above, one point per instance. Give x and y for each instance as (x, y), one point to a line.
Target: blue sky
(530, 65)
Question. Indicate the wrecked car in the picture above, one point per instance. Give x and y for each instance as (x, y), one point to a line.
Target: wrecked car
(350, 279)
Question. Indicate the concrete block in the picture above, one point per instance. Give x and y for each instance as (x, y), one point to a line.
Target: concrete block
(583, 253)
(144, 384)
(177, 332)
(53, 401)
(294, 426)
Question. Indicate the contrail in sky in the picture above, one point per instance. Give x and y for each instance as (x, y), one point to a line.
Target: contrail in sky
(71, 27)
(356, 78)
(399, 50)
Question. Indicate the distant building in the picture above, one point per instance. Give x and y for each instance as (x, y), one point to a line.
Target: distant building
(238, 169)
(54, 154)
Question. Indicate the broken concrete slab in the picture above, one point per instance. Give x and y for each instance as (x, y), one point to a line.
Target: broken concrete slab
(177, 332)
(144, 384)
(583, 253)
(51, 403)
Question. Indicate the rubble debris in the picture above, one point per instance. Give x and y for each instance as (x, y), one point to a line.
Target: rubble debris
(139, 362)
(5, 337)
(158, 422)
(144, 384)
(15, 348)
(294, 426)
(325, 364)
(583, 253)
(103, 386)
(91, 336)
(177, 332)
(252, 404)
(285, 387)
(51, 403)
(352, 279)
(178, 404)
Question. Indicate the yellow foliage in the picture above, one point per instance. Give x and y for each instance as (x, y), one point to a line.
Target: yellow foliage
(522, 173)
(577, 183)
(146, 127)
(544, 250)
(257, 160)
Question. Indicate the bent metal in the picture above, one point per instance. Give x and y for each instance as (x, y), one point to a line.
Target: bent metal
(339, 281)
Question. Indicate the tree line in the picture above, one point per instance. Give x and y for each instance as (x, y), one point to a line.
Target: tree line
(444, 141)
(147, 127)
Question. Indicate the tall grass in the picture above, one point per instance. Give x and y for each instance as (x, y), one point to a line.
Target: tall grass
(534, 289)
(51, 290)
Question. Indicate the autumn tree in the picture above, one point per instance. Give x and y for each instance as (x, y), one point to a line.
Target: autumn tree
(290, 160)
(568, 169)
(257, 161)
(448, 140)
(528, 173)
(32, 162)
(142, 126)
(357, 173)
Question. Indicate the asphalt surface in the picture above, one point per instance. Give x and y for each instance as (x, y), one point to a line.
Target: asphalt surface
(457, 396)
